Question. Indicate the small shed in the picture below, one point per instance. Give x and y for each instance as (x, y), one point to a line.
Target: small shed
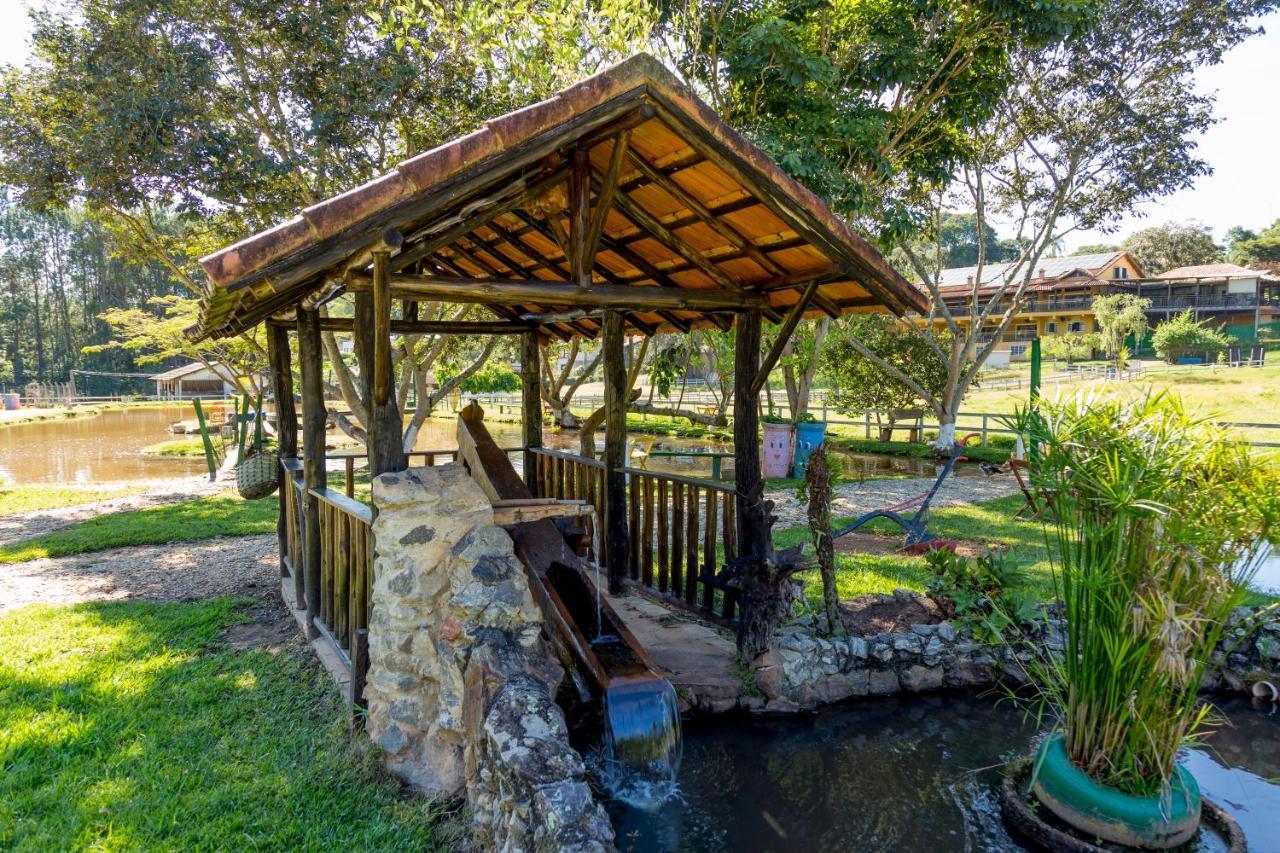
(195, 379)
(621, 206)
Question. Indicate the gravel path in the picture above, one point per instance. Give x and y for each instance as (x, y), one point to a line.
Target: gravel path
(182, 571)
(15, 528)
(853, 499)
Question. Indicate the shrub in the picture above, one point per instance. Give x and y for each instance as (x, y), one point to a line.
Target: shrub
(1158, 523)
(980, 593)
(1182, 335)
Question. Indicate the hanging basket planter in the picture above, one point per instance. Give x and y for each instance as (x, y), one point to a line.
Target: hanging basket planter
(257, 475)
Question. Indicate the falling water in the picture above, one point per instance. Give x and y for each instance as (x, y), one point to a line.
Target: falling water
(642, 744)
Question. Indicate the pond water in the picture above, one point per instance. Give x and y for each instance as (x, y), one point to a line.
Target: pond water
(919, 773)
(94, 449)
(108, 448)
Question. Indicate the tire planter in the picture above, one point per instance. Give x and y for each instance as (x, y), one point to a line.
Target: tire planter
(1098, 811)
(1028, 826)
(809, 434)
(777, 450)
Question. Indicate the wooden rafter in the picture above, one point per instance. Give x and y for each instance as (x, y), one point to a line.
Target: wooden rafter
(536, 291)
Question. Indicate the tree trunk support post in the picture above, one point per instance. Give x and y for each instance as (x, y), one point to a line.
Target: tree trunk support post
(616, 536)
(761, 596)
(286, 426)
(372, 326)
(313, 473)
(530, 407)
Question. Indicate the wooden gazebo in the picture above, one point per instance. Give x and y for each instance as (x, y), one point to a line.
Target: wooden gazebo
(621, 206)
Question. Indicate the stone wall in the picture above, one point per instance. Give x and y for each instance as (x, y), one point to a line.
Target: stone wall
(804, 670)
(461, 677)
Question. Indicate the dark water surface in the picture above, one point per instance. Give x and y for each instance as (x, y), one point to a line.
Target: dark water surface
(911, 774)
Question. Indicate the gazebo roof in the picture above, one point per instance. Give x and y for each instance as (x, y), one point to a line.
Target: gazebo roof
(671, 197)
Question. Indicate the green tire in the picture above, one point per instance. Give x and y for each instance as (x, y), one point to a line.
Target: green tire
(1099, 811)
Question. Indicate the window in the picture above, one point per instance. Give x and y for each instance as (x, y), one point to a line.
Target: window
(1076, 326)
(1121, 272)
(1051, 328)
(1018, 349)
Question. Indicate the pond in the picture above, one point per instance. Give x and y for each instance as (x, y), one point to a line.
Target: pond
(918, 773)
(108, 448)
(104, 448)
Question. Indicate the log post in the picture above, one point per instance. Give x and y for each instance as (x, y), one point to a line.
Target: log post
(616, 536)
(372, 323)
(286, 426)
(313, 474)
(759, 583)
(531, 407)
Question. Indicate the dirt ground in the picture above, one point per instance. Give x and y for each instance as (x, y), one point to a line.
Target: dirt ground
(243, 567)
(875, 614)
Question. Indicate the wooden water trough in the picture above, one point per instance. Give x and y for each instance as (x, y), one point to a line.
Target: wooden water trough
(562, 581)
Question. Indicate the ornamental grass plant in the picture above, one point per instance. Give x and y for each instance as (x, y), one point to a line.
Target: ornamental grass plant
(1158, 524)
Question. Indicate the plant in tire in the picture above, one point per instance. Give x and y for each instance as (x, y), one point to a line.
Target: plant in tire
(1157, 526)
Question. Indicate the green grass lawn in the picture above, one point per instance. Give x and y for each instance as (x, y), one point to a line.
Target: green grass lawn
(129, 726)
(988, 521)
(22, 499)
(220, 515)
(181, 447)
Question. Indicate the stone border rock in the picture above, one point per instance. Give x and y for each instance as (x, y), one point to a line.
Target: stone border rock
(804, 670)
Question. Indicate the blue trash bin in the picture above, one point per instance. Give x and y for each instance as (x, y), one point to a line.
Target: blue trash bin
(809, 434)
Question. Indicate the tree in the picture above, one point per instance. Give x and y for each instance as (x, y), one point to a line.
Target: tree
(861, 384)
(867, 104)
(1174, 244)
(677, 357)
(153, 339)
(555, 387)
(1182, 335)
(1249, 247)
(1070, 347)
(800, 361)
(1093, 125)
(1096, 248)
(1120, 316)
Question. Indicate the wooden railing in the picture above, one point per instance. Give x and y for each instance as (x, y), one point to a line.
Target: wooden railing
(567, 477)
(346, 575)
(682, 528)
(293, 518)
(427, 458)
(346, 568)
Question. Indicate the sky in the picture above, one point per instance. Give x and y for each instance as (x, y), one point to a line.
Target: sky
(1244, 188)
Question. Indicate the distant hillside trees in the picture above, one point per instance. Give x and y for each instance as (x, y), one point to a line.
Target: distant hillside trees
(1174, 244)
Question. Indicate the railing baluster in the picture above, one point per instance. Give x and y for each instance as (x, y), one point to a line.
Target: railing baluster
(664, 557)
(728, 538)
(634, 495)
(691, 554)
(709, 551)
(677, 538)
(646, 541)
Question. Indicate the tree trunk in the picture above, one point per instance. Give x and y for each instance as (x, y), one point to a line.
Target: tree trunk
(762, 598)
(615, 394)
(818, 479)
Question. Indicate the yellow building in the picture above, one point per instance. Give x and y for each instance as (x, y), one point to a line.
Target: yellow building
(1059, 299)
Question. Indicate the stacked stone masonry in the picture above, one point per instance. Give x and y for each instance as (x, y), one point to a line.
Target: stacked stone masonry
(461, 678)
(804, 669)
